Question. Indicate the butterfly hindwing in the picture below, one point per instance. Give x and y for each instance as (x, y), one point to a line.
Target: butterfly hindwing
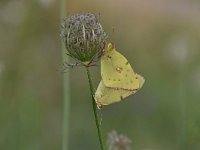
(106, 96)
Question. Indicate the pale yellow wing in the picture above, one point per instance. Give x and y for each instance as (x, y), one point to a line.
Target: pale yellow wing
(116, 71)
(105, 95)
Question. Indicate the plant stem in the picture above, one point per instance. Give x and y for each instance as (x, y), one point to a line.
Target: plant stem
(66, 97)
(95, 109)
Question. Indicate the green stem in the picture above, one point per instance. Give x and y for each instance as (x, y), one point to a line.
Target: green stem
(66, 97)
(95, 109)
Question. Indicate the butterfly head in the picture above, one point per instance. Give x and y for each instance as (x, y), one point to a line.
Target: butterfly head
(110, 47)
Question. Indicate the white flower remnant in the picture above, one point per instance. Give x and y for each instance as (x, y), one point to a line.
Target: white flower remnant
(118, 141)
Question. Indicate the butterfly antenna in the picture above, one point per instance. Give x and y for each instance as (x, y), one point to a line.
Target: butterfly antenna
(113, 31)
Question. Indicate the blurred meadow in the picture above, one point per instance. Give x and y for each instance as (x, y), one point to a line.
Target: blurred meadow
(161, 39)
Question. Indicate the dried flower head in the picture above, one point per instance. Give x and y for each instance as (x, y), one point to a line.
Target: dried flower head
(118, 141)
(83, 36)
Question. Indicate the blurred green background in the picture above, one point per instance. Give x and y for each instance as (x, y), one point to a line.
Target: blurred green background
(161, 39)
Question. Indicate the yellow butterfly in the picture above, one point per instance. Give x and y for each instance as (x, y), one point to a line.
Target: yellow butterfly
(118, 78)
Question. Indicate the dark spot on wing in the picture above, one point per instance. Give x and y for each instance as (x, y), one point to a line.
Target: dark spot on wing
(121, 97)
(127, 63)
(119, 69)
(109, 56)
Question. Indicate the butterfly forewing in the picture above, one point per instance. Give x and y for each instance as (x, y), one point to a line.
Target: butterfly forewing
(117, 72)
